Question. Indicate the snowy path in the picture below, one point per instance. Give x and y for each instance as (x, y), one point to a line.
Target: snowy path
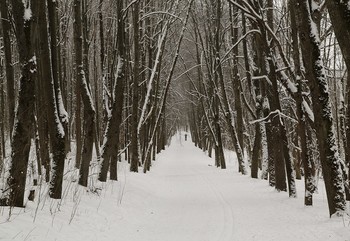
(183, 198)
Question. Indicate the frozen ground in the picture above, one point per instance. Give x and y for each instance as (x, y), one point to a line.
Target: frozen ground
(183, 198)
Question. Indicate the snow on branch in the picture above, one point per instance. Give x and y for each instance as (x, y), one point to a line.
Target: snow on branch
(238, 41)
(308, 111)
(271, 115)
(160, 12)
(27, 16)
(161, 42)
(262, 77)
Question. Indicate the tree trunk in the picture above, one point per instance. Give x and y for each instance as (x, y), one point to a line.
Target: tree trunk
(2, 120)
(339, 13)
(111, 138)
(308, 165)
(315, 73)
(134, 149)
(23, 128)
(277, 127)
(53, 28)
(236, 84)
(55, 126)
(6, 30)
(89, 110)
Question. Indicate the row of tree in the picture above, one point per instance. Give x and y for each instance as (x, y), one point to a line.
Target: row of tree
(92, 74)
(271, 83)
(265, 78)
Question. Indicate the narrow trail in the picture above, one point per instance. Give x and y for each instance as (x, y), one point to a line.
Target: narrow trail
(193, 208)
(183, 198)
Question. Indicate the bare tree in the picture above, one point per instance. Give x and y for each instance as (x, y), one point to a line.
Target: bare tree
(23, 127)
(110, 150)
(54, 123)
(89, 110)
(6, 30)
(135, 100)
(315, 73)
(340, 16)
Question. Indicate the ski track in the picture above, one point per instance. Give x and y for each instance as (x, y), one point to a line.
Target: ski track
(183, 198)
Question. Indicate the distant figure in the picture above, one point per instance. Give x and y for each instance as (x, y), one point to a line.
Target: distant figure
(185, 137)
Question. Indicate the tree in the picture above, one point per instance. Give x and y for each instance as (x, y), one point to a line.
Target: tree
(309, 166)
(53, 29)
(6, 30)
(340, 16)
(23, 127)
(110, 150)
(56, 131)
(89, 110)
(135, 101)
(315, 73)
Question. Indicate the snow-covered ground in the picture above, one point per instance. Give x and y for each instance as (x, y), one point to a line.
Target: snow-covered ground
(183, 198)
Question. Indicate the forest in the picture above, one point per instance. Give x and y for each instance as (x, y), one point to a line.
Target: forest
(86, 85)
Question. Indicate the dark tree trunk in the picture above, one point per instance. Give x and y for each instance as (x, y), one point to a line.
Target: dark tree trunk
(277, 128)
(54, 124)
(23, 128)
(2, 120)
(78, 132)
(237, 85)
(43, 131)
(339, 13)
(257, 147)
(111, 139)
(302, 119)
(315, 73)
(55, 60)
(256, 154)
(134, 149)
(6, 30)
(89, 110)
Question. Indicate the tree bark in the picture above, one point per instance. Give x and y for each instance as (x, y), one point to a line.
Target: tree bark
(53, 28)
(54, 124)
(6, 30)
(315, 73)
(339, 13)
(23, 127)
(134, 149)
(308, 165)
(236, 84)
(109, 151)
(89, 110)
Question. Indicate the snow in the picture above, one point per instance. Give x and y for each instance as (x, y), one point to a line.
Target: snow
(161, 42)
(33, 60)
(308, 110)
(291, 86)
(314, 31)
(314, 6)
(61, 110)
(27, 10)
(27, 14)
(184, 197)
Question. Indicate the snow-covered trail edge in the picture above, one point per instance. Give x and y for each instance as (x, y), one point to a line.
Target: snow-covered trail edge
(185, 198)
